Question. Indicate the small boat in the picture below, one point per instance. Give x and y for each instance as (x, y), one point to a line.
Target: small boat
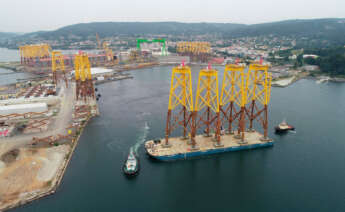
(131, 166)
(283, 127)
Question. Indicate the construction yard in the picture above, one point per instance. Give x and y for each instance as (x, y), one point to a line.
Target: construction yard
(42, 117)
(37, 146)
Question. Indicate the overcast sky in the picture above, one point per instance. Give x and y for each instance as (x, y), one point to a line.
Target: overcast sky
(34, 15)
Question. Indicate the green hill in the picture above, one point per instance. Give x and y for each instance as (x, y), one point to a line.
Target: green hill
(6, 35)
(105, 29)
(308, 33)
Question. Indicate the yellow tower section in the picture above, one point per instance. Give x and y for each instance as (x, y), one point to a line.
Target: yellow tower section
(77, 70)
(259, 93)
(82, 69)
(233, 95)
(83, 77)
(87, 68)
(180, 107)
(58, 64)
(77, 67)
(207, 103)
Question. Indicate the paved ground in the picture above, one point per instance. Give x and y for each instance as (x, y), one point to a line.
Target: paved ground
(62, 120)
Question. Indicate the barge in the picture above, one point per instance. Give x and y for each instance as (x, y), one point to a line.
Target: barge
(180, 149)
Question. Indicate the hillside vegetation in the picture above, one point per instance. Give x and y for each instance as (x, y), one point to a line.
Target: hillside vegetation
(331, 61)
(315, 33)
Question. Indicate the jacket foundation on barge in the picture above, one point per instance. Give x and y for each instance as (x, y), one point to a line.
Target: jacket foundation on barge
(243, 100)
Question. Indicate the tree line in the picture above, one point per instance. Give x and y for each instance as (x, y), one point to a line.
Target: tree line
(330, 61)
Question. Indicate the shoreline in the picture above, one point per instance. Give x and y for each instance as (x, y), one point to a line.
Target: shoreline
(14, 66)
(295, 78)
(58, 177)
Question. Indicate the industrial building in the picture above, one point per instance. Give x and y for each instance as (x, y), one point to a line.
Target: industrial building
(23, 108)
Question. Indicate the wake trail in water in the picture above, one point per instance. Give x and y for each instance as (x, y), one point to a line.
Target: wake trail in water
(141, 139)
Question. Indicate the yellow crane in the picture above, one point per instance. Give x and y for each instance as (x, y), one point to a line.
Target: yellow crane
(105, 47)
(30, 53)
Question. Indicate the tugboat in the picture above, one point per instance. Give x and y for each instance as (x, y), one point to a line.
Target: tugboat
(131, 166)
(283, 127)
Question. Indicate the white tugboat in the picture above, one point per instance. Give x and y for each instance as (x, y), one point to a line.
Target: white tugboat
(283, 127)
(131, 166)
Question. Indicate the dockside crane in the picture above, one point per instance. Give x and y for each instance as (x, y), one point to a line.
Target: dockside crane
(105, 47)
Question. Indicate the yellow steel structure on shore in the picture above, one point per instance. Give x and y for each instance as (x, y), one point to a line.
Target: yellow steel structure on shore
(180, 95)
(207, 102)
(233, 94)
(83, 77)
(58, 64)
(196, 50)
(82, 67)
(30, 52)
(194, 47)
(259, 91)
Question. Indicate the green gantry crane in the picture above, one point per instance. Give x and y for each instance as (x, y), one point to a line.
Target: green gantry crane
(162, 41)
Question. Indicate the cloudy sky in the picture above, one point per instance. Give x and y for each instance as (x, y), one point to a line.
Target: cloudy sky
(34, 15)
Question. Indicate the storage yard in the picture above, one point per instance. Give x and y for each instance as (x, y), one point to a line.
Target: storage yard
(40, 124)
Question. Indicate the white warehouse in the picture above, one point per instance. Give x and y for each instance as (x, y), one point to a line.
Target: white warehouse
(23, 108)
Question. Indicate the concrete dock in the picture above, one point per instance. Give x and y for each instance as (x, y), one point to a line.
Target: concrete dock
(181, 149)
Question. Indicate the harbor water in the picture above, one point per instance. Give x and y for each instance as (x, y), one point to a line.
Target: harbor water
(8, 76)
(304, 171)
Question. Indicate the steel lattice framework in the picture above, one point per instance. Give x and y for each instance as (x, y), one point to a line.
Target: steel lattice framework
(233, 95)
(83, 77)
(197, 51)
(164, 51)
(30, 53)
(259, 92)
(58, 64)
(107, 51)
(180, 101)
(207, 103)
(210, 111)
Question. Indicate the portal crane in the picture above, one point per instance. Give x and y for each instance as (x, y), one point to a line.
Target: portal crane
(105, 47)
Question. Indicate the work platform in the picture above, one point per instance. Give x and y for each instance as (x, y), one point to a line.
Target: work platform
(180, 149)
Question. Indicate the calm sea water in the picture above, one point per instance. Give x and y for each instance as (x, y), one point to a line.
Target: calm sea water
(10, 55)
(304, 171)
